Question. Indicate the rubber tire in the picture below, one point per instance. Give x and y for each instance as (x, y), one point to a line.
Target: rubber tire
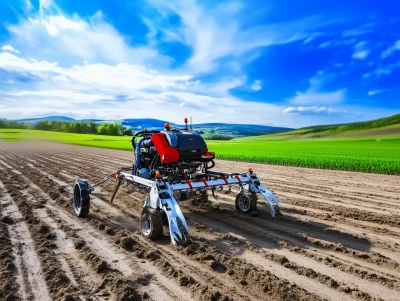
(156, 223)
(81, 199)
(253, 202)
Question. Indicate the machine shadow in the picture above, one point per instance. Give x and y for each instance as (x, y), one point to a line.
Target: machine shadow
(266, 232)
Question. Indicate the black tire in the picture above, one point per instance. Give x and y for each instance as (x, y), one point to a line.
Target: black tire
(246, 202)
(151, 223)
(81, 199)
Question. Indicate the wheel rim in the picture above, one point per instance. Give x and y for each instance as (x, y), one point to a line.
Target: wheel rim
(244, 203)
(146, 224)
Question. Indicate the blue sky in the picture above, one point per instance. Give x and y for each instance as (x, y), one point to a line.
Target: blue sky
(283, 63)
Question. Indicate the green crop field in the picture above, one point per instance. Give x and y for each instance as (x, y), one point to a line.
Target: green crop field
(377, 155)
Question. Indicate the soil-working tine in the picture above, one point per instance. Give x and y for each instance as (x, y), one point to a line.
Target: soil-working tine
(115, 191)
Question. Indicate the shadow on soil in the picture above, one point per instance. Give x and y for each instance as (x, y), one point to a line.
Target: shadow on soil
(259, 229)
(264, 231)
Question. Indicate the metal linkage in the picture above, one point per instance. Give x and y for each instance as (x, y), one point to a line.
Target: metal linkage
(161, 194)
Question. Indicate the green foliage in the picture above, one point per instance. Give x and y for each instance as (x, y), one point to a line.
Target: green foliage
(210, 136)
(127, 132)
(80, 127)
(9, 124)
(112, 129)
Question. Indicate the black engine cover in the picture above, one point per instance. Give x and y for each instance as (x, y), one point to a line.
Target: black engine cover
(191, 146)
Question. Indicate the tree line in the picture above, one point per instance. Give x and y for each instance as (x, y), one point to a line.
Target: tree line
(9, 124)
(80, 127)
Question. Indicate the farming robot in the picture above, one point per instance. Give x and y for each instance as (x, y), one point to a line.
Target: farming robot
(175, 160)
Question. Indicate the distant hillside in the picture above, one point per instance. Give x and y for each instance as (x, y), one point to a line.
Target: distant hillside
(137, 124)
(238, 130)
(208, 130)
(355, 126)
(49, 118)
(384, 126)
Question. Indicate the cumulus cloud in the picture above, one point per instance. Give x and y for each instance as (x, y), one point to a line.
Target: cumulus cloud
(100, 86)
(336, 43)
(74, 40)
(312, 110)
(316, 94)
(9, 48)
(374, 92)
(312, 97)
(360, 55)
(391, 50)
(360, 51)
(256, 86)
(218, 31)
(45, 3)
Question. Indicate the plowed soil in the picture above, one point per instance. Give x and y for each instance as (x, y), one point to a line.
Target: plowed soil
(338, 238)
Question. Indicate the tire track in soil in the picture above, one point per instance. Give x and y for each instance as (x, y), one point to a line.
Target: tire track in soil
(26, 266)
(331, 209)
(343, 256)
(124, 288)
(12, 286)
(183, 277)
(58, 284)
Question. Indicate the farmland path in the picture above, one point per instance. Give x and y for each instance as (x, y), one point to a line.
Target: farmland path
(337, 240)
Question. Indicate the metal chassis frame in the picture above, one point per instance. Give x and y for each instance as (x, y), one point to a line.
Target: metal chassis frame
(161, 194)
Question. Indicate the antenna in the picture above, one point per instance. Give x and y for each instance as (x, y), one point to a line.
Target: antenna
(191, 123)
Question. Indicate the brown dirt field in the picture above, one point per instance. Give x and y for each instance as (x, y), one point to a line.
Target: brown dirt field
(338, 238)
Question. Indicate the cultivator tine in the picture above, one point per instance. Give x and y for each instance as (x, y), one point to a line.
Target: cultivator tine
(115, 191)
(213, 192)
(270, 198)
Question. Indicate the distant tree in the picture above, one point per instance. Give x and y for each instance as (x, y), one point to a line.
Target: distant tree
(127, 132)
(9, 124)
(102, 129)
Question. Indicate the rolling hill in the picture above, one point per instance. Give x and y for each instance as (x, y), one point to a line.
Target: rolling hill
(379, 127)
(210, 130)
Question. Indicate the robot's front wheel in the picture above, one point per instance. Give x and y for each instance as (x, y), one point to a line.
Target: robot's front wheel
(151, 223)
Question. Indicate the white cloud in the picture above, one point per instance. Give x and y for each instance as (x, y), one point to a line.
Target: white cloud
(366, 28)
(9, 48)
(74, 40)
(391, 50)
(312, 110)
(256, 86)
(360, 51)
(388, 69)
(313, 97)
(335, 43)
(28, 4)
(215, 32)
(145, 93)
(45, 3)
(360, 55)
(315, 94)
(374, 92)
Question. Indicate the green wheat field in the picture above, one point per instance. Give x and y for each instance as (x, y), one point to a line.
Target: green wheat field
(372, 154)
